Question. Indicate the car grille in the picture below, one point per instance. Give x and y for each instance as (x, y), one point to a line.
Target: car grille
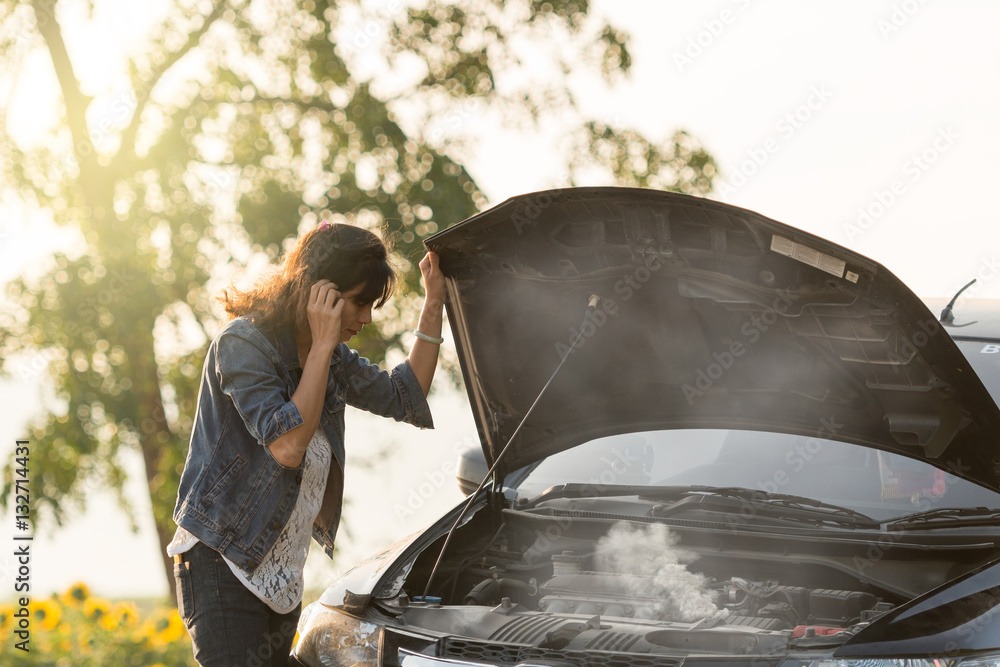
(511, 654)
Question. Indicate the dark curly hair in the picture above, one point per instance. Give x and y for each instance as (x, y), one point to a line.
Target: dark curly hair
(344, 254)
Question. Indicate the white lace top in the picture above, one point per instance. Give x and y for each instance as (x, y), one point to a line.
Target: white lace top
(278, 581)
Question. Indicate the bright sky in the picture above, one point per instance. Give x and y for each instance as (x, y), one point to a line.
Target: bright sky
(872, 124)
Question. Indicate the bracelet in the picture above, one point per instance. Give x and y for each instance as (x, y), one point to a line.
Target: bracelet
(430, 339)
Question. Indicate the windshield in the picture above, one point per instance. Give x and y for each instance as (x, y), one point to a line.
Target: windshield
(984, 357)
(877, 484)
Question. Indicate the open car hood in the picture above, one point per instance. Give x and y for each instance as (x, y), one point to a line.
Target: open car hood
(709, 316)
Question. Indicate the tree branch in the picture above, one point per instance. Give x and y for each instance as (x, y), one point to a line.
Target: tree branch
(303, 105)
(143, 94)
(75, 101)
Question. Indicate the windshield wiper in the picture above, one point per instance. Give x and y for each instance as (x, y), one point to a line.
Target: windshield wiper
(947, 517)
(789, 506)
(581, 490)
(775, 505)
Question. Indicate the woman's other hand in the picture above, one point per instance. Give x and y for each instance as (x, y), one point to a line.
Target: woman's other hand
(323, 311)
(433, 279)
(424, 355)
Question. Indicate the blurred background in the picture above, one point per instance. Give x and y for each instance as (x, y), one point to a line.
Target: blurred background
(152, 153)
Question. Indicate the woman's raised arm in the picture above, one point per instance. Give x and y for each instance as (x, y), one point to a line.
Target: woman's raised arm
(423, 355)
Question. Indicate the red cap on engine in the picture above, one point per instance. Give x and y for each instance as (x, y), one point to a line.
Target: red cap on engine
(803, 630)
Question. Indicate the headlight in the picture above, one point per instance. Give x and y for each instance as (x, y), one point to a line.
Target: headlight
(332, 639)
(976, 661)
(884, 662)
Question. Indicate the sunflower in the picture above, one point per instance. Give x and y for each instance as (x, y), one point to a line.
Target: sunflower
(122, 615)
(169, 629)
(84, 641)
(6, 620)
(75, 595)
(146, 634)
(125, 614)
(45, 613)
(95, 608)
(108, 622)
(87, 647)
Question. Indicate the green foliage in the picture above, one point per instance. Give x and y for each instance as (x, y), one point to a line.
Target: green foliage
(83, 630)
(285, 122)
(680, 164)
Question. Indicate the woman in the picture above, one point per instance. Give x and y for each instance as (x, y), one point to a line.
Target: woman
(265, 467)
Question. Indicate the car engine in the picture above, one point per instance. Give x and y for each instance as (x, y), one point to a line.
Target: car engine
(760, 604)
(558, 591)
(746, 602)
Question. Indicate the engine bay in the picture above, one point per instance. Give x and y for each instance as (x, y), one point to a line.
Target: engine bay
(585, 583)
(766, 605)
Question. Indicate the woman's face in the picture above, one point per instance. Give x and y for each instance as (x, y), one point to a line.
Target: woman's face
(355, 314)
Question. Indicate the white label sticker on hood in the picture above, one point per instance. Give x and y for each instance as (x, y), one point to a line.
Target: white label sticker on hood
(808, 255)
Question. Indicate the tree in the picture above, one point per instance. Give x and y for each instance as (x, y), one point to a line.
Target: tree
(246, 121)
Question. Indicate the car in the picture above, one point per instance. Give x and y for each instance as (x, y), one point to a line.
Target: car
(711, 438)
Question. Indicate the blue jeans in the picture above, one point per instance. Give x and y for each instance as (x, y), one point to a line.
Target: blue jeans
(228, 624)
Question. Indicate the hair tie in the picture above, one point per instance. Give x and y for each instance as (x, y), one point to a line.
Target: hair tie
(325, 224)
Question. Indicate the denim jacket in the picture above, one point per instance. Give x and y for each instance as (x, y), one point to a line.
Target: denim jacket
(233, 495)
